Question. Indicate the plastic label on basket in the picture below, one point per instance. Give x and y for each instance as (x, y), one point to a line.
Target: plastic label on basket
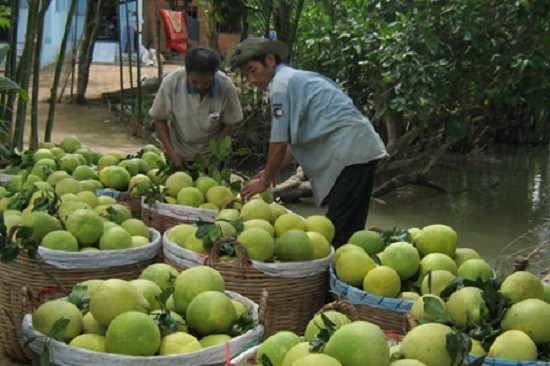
(103, 258)
(63, 354)
(360, 297)
(184, 213)
(108, 192)
(187, 258)
(488, 361)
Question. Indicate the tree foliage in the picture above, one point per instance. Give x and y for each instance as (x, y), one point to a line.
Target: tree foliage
(465, 69)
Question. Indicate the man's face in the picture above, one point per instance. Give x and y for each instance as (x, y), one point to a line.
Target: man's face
(259, 74)
(200, 82)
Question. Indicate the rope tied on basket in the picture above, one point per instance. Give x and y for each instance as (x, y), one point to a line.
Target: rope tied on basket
(214, 257)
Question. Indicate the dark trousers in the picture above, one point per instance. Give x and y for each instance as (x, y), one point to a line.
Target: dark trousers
(348, 201)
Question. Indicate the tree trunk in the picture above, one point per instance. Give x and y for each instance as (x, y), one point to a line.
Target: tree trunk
(58, 68)
(23, 73)
(11, 68)
(33, 141)
(89, 36)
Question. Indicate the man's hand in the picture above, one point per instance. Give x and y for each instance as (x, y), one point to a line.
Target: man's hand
(253, 186)
(179, 161)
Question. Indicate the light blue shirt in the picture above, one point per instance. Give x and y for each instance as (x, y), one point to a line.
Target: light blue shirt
(325, 130)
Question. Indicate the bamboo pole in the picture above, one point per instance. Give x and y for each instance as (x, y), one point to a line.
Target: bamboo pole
(157, 21)
(121, 64)
(23, 73)
(58, 68)
(129, 58)
(7, 113)
(139, 100)
(33, 139)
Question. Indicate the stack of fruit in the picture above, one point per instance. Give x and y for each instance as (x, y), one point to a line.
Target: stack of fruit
(185, 318)
(262, 245)
(383, 274)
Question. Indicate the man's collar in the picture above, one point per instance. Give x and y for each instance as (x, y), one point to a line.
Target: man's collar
(211, 89)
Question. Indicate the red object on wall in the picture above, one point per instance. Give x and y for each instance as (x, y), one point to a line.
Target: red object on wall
(175, 29)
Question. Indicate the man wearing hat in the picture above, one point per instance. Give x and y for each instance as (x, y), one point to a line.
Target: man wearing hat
(195, 104)
(317, 124)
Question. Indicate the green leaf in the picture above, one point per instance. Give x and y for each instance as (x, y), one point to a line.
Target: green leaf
(45, 356)
(80, 297)
(58, 329)
(435, 311)
(165, 295)
(265, 361)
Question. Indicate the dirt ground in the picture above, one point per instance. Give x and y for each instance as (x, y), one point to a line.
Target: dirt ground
(94, 124)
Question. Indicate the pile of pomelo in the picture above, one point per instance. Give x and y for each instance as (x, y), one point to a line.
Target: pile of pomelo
(268, 232)
(130, 317)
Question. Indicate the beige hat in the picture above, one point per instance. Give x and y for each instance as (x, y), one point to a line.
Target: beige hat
(253, 47)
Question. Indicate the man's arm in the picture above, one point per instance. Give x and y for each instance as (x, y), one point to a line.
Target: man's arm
(225, 130)
(276, 160)
(161, 127)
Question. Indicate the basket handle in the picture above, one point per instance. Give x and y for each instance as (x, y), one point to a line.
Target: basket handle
(214, 257)
(342, 306)
(262, 307)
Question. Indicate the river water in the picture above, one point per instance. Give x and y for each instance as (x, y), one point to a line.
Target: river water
(499, 205)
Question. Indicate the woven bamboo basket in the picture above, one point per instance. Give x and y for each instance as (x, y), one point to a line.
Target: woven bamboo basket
(388, 313)
(296, 289)
(163, 216)
(218, 355)
(25, 283)
(133, 203)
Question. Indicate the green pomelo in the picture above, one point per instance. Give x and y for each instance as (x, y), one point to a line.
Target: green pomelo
(151, 148)
(427, 343)
(150, 291)
(90, 342)
(88, 197)
(60, 240)
(130, 165)
(471, 269)
(190, 196)
(204, 183)
(192, 282)
(358, 344)
(436, 239)
(104, 175)
(258, 244)
(463, 254)
(70, 144)
(47, 314)
(136, 180)
(467, 307)
(294, 246)
(87, 153)
(418, 310)
(240, 308)
(106, 200)
(532, 316)
(436, 281)
(276, 211)
(219, 195)
(276, 346)
(120, 213)
(85, 225)
(546, 293)
(66, 208)
(42, 153)
(179, 342)
(409, 296)
(114, 239)
(316, 323)
(321, 246)
(287, 222)
(382, 281)
(156, 176)
(175, 182)
(41, 223)
(298, 351)
(256, 209)
(57, 177)
(344, 248)
(162, 274)
(195, 244)
(353, 266)
(85, 172)
(180, 325)
(513, 345)
(435, 261)
(317, 359)
(370, 241)
(118, 178)
(322, 225)
(407, 362)
(209, 206)
(68, 185)
(210, 312)
(114, 297)
(92, 326)
(179, 233)
(403, 258)
(213, 339)
(263, 224)
(136, 227)
(477, 349)
(139, 241)
(521, 285)
(133, 333)
(152, 159)
(69, 162)
(227, 228)
(105, 161)
(228, 214)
